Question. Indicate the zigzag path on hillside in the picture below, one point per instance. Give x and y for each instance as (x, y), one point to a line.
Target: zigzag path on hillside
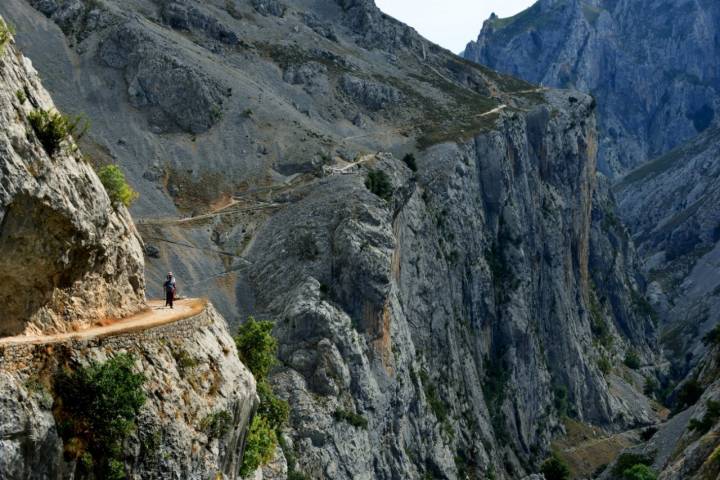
(155, 315)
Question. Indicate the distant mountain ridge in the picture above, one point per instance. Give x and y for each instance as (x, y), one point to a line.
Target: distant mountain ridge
(653, 66)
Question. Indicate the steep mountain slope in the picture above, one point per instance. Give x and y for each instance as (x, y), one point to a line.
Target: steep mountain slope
(671, 205)
(437, 322)
(72, 258)
(653, 66)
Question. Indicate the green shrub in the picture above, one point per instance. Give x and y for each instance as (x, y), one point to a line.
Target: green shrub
(561, 402)
(648, 433)
(116, 186)
(379, 183)
(554, 468)
(6, 34)
(410, 161)
(712, 415)
(257, 347)
(274, 409)
(639, 472)
(354, 419)
(604, 365)
(52, 128)
(689, 393)
(259, 445)
(217, 424)
(632, 360)
(437, 406)
(650, 387)
(96, 411)
(627, 461)
(21, 96)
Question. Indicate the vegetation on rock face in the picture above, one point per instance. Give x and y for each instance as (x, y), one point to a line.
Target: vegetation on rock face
(632, 360)
(95, 411)
(275, 410)
(116, 186)
(689, 394)
(217, 424)
(409, 160)
(709, 419)
(628, 461)
(379, 183)
(259, 446)
(257, 349)
(554, 468)
(639, 472)
(352, 418)
(6, 34)
(52, 128)
(604, 364)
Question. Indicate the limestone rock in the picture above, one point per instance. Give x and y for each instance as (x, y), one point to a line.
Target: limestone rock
(68, 256)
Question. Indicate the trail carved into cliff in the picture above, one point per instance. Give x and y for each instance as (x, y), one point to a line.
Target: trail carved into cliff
(154, 316)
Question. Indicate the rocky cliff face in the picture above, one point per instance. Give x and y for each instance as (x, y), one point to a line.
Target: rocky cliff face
(440, 315)
(69, 258)
(439, 325)
(51, 204)
(670, 205)
(652, 66)
(192, 373)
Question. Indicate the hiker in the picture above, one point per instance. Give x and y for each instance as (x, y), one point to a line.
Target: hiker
(169, 287)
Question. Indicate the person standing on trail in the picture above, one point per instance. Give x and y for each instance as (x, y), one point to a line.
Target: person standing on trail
(169, 287)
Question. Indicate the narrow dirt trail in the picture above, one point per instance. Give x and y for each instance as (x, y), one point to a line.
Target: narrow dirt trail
(154, 316)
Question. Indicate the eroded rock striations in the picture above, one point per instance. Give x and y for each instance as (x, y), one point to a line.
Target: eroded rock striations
(652, 66)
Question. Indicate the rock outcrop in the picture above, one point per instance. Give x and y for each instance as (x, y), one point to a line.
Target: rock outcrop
(652, 67)
(68, 257)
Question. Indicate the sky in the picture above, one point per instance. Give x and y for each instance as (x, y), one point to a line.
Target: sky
(450, 23)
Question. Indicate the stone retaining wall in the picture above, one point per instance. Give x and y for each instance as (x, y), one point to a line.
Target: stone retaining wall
(28, 355)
